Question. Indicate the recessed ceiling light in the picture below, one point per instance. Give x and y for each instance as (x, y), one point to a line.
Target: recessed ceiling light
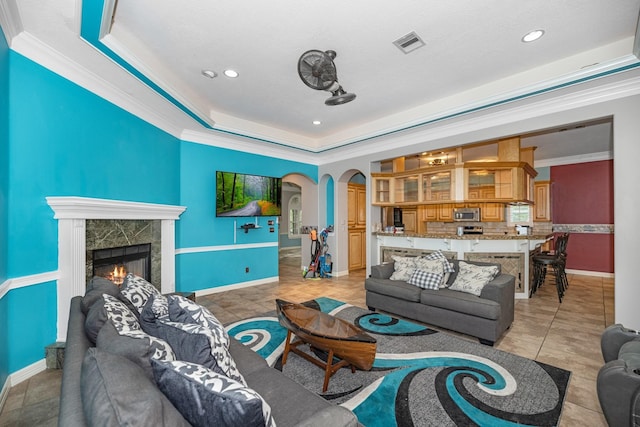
(317, 122)
(532, 36)
(209, 73)
(231, 73)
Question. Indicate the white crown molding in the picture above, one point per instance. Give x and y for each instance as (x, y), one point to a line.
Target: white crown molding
(10, 20)
(571, 98)
(246, 144)
(88, 208)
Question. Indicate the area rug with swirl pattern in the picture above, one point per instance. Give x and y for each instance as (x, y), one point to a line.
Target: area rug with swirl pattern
(420, 377)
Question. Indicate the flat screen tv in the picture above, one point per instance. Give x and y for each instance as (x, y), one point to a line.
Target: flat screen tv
(244, 195)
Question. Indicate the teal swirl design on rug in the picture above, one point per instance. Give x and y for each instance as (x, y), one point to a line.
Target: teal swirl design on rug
(420, 377)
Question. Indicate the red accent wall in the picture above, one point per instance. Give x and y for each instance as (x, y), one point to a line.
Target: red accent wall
(582, 193)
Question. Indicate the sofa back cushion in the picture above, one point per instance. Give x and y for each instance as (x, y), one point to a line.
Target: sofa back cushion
(116, 391)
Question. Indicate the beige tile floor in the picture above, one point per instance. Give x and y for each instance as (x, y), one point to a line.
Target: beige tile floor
(566, 335)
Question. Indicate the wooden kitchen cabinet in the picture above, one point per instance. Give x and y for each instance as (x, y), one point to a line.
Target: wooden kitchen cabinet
(492, 212)
(382, 189)
(410, 220)
(542, 201)
(357, 249)
(357, 222)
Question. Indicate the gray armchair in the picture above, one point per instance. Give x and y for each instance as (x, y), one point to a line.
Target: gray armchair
(619, 379)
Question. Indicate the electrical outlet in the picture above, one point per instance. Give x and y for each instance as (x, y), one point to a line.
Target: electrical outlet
(246, 269)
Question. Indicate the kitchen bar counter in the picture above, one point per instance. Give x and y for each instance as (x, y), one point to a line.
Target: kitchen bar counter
(485, 236)
(512, 251)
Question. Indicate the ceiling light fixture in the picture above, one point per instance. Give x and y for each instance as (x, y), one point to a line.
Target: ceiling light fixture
(317, 122)
(532, 36)
(209, 73)
(231, 73)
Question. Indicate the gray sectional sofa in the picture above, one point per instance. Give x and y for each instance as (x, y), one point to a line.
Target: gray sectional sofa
(291, 404)
(486, 316)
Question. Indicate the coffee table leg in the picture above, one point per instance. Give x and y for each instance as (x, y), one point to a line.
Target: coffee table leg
(328, 371)
(287, 347)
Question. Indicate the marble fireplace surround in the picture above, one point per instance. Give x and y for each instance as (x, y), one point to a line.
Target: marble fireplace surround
(72, 213)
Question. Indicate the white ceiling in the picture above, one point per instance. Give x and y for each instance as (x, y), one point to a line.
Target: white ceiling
(473, 57)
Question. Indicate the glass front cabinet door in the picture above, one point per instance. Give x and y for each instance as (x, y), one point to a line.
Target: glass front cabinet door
(437, 186)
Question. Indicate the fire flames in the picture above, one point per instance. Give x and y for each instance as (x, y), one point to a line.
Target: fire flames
(117, 275)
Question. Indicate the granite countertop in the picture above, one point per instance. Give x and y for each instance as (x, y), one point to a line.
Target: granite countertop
(495, 236)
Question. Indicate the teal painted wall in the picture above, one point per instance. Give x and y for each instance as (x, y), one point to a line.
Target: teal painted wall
(330, 202)
(199, 228)
(4, 203)
(62, 142)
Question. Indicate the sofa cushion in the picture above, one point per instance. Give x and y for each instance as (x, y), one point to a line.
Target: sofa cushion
(456, 268)
(461, 302)
(426, 279)
(448, 267)
(435, 265)
(197, 344)
(95, 288)
(472, 278)
(137, 290)
(184, 310)
(139, 348)
(116, 392)
(206, 398)
(630, 353)
(393, 288)
(403, 267)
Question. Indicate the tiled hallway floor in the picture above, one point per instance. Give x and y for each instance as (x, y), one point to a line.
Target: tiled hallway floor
(566, 335)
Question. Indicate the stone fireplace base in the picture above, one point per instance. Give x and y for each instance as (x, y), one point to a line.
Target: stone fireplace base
(72, 214)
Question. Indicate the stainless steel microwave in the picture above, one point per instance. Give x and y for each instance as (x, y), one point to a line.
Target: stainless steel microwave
(466, 214)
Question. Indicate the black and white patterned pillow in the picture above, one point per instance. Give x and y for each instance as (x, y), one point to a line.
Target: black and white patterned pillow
(126, 323)
(403, 267)
(473, 278)
(198, 344)
(426, 279)
(436, 266)
(137, 290)
(184, 310)
(206, 398)
(448, 267)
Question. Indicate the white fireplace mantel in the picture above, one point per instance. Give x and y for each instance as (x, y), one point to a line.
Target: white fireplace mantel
(72, 213)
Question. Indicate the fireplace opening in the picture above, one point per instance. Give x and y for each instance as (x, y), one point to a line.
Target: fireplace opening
(115, 263)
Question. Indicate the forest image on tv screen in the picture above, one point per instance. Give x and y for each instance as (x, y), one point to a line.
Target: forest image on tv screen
(247, 195)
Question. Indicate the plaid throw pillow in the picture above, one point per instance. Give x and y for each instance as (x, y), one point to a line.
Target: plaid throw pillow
(426, 279)
(448, 267)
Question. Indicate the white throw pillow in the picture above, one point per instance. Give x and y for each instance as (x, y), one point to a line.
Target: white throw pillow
(448, 268)
(436, 266)
(473, 278)
(403, 267)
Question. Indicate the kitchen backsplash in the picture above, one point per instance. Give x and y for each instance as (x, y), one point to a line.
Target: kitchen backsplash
(488, 227)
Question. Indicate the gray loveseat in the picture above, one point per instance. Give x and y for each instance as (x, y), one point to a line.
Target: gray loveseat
(486, 316)
(291, 404)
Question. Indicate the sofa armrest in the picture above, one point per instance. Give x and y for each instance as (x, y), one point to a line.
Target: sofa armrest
(71, 411)
(617, 392)
(502, 290)
(382, 271)
(614, 337)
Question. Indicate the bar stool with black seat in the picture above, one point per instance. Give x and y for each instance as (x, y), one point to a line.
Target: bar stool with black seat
(555, 259)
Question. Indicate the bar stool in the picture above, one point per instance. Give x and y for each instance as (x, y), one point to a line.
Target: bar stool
(555, 259)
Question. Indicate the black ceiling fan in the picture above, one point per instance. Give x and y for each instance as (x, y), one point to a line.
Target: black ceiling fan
(318, 71)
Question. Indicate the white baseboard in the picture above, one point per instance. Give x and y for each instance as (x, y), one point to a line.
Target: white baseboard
(4, 393)
(591, 273)
(203, 292)
(27, 372)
